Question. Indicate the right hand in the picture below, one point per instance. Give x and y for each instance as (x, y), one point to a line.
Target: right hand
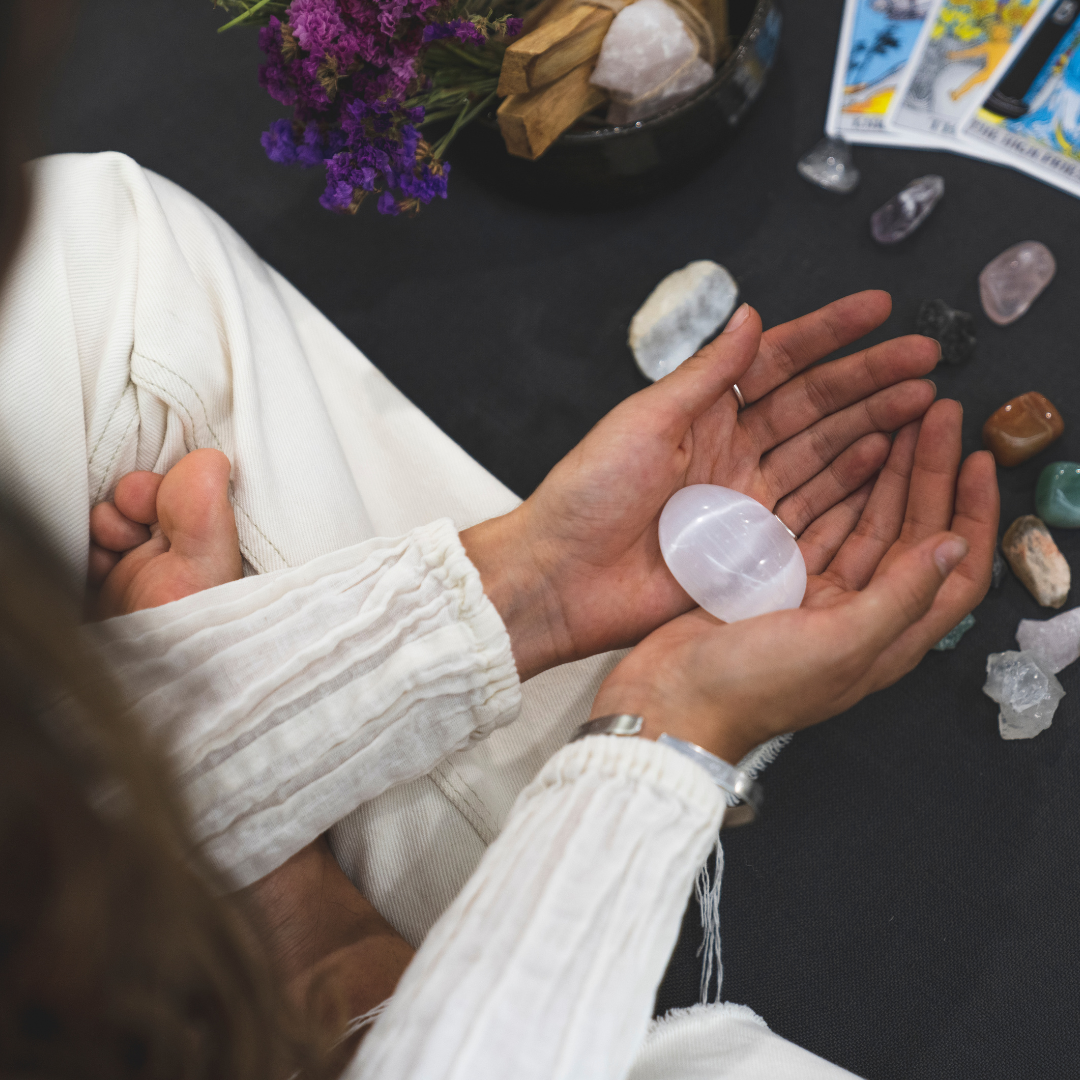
(879, 596)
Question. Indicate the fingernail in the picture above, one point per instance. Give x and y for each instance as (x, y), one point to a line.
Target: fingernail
(933, 384)
(737, 319)
(948, 553)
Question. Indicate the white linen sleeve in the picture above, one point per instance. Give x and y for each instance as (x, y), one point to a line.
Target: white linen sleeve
(546, 965)
(285, 701)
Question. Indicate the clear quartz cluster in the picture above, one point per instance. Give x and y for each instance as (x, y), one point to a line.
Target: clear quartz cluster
(1026, 693)
(829, 165)
(1055, 642)
(730, 554)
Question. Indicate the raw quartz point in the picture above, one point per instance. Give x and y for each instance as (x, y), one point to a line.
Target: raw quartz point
(999, 570)
(648, 62)
(953, 330)
(1027, 695)
(1057, 494)
(830, 166)
(906, 211)
(1055, 642)
(682, 312)
(730, 554)
(952, 638)
(1010, 283)
(1021, 428)
(1036, 561)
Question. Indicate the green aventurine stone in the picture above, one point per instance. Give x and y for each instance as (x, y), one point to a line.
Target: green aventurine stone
(952, 638)
(1057, 496)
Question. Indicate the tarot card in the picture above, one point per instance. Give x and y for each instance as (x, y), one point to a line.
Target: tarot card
(1032, 114)
(960, 46)
(876, 41)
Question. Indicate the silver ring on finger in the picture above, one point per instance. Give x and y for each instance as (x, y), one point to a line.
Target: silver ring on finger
(738, 395)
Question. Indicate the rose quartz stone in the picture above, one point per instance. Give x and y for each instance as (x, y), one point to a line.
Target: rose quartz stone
(1010, 283)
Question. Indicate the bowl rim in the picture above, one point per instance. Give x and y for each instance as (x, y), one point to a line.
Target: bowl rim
(762, 10)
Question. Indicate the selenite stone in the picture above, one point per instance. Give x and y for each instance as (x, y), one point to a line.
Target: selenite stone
(1055, 642)
(1057, 495)
(683, 311)
(730, 554)
(1027, 695)
(952, 638)
(1036, 561)
(999, 570)
(906, 211)
(1010, 283)
(1021, 428)
(829, 165)
(953, 330)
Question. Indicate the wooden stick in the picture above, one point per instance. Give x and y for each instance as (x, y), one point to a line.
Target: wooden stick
(542, 12)
(531, 122)
(559, 45)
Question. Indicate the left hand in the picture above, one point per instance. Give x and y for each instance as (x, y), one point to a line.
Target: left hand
(577, 569)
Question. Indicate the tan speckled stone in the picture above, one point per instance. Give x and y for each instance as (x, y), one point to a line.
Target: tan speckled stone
(1036, 560)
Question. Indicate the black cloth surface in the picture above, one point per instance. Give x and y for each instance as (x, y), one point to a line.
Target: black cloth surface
(907, 906)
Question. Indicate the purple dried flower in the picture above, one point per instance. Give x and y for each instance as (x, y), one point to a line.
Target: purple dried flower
(279, 143)
(514, 26)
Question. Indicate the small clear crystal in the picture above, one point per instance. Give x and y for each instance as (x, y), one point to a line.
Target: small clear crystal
(906, 211)
(1027, 695)
(1000, 569)
(1055, 642)
(829, 165)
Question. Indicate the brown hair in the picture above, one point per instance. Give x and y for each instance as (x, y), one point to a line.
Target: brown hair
(116, 959)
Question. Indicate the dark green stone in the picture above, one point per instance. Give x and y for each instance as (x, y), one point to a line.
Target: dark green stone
(952, 638)
(1057, 496)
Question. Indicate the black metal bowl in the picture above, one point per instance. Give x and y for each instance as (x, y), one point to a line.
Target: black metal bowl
(594, 165)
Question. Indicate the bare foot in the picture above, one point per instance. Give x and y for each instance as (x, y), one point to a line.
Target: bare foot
(164, 537)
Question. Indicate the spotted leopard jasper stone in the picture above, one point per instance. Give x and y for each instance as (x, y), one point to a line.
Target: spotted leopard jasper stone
(1036, 560)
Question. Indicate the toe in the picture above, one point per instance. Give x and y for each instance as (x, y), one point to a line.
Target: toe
(113, 531)
(100, 563)
(136, 496)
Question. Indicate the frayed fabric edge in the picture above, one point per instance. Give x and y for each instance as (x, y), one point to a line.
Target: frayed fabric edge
(676, 1016)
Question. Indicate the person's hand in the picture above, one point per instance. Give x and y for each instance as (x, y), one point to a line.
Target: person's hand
(577, 569)
(892, 570)
(164, 537)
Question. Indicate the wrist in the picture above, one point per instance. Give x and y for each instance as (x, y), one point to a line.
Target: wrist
(514, 584)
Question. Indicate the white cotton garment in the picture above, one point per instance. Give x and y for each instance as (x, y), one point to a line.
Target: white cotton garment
(135, 326)
(546, 965)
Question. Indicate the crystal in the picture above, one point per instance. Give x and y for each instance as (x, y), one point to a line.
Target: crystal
(1057, 495)
(905, 212)
(730, 554)
(952, 638)
(648, 61)
(829, 165)
(1021, 428)
(1000, 569)
(1036, 561)
(1009, 283)
(1027, 694)
(683, 311)
(953, 330)
(1055, 642)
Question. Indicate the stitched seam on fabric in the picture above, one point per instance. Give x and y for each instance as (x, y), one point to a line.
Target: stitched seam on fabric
(116, 450)
(108, 422)
(450, 782)
(177, 375)
(248, 518)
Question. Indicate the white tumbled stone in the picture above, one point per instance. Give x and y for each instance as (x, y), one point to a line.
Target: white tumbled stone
(681, 313)
(730, 554)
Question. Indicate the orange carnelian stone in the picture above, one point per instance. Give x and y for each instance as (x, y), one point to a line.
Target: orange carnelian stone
(1021, 428)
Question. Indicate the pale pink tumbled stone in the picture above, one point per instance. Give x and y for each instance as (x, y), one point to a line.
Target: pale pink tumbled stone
(1010, 283)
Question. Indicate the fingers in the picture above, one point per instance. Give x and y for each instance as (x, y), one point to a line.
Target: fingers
(934, 473)
(823, 537)
(790, 348)
(681, 397)
(795, 461)
(847, 473)
(113, 531)
(880, 524)
(136, 496)
(796, 405)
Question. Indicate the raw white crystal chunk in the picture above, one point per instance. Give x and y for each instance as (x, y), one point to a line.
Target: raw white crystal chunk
(1055, 642)
(730, 554)
(1027, 694)
(681, 313)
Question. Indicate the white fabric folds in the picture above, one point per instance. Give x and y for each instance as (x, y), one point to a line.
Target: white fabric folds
(285, 701)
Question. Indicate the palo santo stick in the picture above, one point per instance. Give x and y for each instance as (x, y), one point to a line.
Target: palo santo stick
(556, 47)
(530, 123)
(542, 12)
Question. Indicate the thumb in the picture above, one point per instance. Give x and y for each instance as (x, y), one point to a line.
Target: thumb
(904, 593)
(711, 372)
